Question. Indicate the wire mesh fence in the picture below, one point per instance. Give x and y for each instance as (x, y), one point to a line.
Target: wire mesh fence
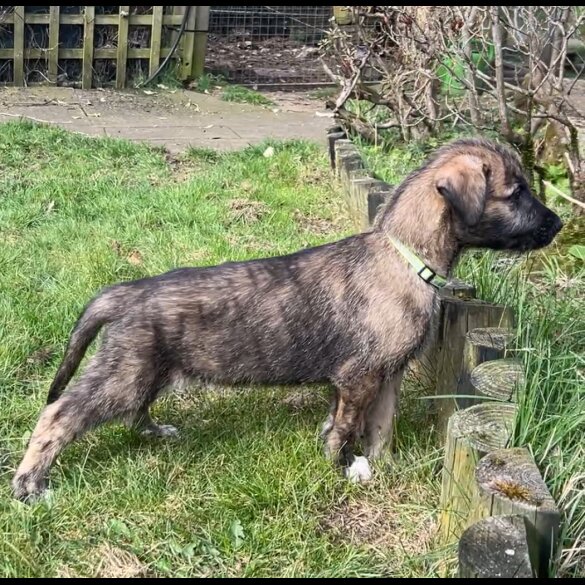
(268, 46)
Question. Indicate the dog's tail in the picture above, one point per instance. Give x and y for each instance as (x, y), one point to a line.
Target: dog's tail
(105, 308)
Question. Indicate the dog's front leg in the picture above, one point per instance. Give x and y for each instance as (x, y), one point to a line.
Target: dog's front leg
(380, 418)
(355, 394)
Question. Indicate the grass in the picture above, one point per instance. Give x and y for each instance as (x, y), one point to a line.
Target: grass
(244, 95)
(546, 290)
(245, 491)
(208, 82)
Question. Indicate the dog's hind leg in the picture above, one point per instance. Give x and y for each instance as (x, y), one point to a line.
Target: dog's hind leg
(329, 421)
(381, 415)
(354, 399)
(144, 424)
(111, 388)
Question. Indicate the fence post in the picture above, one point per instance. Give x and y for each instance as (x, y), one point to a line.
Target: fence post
(472, 433)
(459, 317)
(200, 47)
(18, 65)
(496, 546)
(122, 61)
(155, 38)
(188, 45)
(54, 43)
(88, 36)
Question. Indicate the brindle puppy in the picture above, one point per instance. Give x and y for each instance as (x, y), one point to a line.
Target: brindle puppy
(352, 313)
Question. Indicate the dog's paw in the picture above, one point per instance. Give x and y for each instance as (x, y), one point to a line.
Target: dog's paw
(359, 471)
(30, 490)
(162, 431)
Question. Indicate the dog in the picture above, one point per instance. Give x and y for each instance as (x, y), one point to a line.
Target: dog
(351, 313)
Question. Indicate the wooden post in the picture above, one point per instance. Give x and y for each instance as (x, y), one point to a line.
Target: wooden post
(155, 38)
(361, 184)
(471, 434)
(18, 65)
(54, 43)
(460, 316)
(343, 149)
(376, 199)
(427, 365)
(200, 41)
(122, 60)
(189, 45)
(509, 483)
(334, 134)
(481, 345)
(496, 547)
(88, 36)
(488, 343)
(347, 159)
(498, 379)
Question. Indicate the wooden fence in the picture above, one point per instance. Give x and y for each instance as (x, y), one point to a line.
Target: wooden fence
(69, 47)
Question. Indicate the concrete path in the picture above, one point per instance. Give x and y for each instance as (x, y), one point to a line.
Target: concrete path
(174, 120)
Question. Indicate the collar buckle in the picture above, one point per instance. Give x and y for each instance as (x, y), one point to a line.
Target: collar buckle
(422, 270)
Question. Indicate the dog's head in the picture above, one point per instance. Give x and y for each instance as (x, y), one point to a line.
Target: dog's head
(489, 199)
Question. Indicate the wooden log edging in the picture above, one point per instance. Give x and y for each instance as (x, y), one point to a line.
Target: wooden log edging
(365, 193)
(509, 483)
(472, 434)
(498, 379)
(493, 497)
(472, 331)
(497, 546)
(480, 345)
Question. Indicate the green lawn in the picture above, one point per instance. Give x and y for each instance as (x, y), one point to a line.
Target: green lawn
(245, 491)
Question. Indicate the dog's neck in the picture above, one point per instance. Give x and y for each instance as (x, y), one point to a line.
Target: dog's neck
(420, 222)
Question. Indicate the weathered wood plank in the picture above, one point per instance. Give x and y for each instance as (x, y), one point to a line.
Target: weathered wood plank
(54, 43)
(78, 53)
(100, 19)
(88, 40)
(155, 38)
(122, 54)
(460, 316)
(18, 51)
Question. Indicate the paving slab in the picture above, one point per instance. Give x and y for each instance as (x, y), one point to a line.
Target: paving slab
(175, 120)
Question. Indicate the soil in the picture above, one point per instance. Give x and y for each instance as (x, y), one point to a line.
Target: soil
(272, 61)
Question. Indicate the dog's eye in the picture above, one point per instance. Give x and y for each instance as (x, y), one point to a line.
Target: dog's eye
(516, 193)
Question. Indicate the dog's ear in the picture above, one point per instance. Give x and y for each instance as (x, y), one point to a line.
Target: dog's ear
(463, 183)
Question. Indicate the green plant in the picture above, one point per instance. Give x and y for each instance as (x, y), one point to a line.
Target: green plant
(547, 302)
(451, 70)
(244, 95)
(208, 82)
